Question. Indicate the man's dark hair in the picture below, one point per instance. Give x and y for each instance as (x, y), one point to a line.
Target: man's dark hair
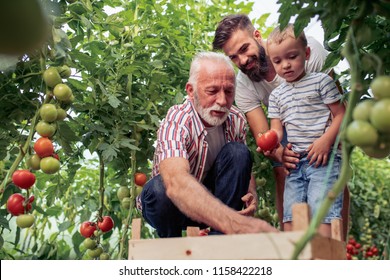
(227, 26)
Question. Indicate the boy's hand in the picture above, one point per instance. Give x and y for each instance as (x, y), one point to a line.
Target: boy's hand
(318, 152)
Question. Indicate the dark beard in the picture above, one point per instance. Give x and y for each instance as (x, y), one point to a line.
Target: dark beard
(260, 70)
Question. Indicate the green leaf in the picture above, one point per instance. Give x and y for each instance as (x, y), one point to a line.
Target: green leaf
(4, 223)
(64, 226)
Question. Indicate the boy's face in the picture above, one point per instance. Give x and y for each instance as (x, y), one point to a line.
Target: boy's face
(288, 58)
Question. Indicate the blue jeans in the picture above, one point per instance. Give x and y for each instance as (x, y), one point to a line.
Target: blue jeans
(311, 184)
(228, 180)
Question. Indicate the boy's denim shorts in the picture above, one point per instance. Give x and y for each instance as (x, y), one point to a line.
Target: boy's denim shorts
(308, 184)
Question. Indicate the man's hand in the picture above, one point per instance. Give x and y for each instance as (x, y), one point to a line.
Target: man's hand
(290, 158)
(250, 205)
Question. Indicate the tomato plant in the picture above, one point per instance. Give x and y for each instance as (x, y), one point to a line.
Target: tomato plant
(362, 133)
(380, 115)
(87, 229)
(44, 147)
(268, 140)
(106, 224)
(45, 129)
(23, 178)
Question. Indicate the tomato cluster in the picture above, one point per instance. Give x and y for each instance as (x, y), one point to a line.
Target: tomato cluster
(45, 157)
(355, 250)
(370, 128)
(92, 231)
(124, 193)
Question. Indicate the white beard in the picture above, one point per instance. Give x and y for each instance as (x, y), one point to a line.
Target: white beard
(205, 115)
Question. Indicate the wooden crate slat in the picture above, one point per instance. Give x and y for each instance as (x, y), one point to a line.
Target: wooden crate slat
(239, 246)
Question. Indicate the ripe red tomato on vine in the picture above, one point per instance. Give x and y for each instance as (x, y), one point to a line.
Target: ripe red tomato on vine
(23, 178)
(106, 224)
(16, 204)
(140, 179)
(44, 147)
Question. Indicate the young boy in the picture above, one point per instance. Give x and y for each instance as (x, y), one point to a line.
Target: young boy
(308, 105)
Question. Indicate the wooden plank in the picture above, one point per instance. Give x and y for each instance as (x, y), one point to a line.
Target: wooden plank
(337, 229)
(136, 229)
(193, 231)
(327, 248)
(240, 246)
(301, 216)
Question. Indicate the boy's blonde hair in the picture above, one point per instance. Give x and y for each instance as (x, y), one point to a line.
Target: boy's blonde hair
(277, 36)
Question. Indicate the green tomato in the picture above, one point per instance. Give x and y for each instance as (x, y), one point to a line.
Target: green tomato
(380, 115)
(94, 253)
(52, 77)
(61, 114)
(50, 165)
(25, 220)
(45, 129)
(104, 256)
(125, 203)
(48, 112)
(62, 92)
(33, 162)
(379, 151)
(64, 71)
(90, 243)
(380, 87)
(361, 133)
(363, 109)
(123, 192)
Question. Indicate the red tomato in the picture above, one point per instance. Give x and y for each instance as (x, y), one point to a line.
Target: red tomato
(106, 224)
(268, 140)
(23, 178)
(140, 179)
(87, 229)
(15, 204)
(44, 147)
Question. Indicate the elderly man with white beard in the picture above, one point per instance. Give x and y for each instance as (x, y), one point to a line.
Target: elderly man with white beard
(202, 169)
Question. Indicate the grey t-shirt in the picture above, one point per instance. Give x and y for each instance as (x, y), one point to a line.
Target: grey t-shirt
(250, 95)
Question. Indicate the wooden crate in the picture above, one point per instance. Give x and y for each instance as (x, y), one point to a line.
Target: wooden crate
(270, 246)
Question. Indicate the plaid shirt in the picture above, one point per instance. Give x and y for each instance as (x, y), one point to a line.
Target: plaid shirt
(182, 134)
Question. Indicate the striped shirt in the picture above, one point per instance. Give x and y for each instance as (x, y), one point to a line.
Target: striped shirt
(182, 134)
(302, 108)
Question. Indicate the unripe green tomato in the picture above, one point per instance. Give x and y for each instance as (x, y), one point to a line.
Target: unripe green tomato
(125, 203)
(138, 190)
(380, 115)
(25, 220)
(362, 133)
(33, 162)
(64, 71)
(123, 192)
(50, 165)
(62, 92)
(380, 87)
(61, 114)
(379, 151)
(104, 256)
(363, 109)
(260, 182)
(90, 243)
(45, 129)
(94, 253)
(48, 112)
(52, 77)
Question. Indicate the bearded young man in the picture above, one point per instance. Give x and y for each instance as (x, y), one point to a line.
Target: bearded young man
(236, 36)
(202, 166)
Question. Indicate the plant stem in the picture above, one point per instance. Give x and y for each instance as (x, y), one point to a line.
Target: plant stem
(352, 56)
